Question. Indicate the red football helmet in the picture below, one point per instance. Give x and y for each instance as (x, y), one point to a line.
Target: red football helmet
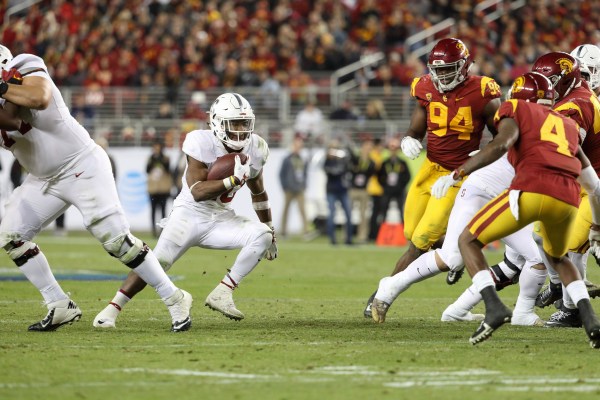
(561, 68)
(449, 63)
(533, 87)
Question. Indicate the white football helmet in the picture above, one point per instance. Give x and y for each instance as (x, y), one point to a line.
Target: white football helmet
(5, 56)
(588, 56)
(232, 120)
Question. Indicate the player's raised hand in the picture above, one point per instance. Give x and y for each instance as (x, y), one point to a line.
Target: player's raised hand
(241, 171)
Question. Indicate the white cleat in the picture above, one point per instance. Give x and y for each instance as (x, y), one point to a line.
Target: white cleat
(526, 319)
(451, 314)
(60, 312)
(179, 305)
(106, 318)
(221, 300)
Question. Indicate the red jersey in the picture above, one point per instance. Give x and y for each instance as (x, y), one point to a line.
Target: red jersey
(583, 106)
(455, 119)
(544, 155)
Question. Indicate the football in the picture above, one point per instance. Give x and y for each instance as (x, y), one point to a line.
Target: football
(223, 166)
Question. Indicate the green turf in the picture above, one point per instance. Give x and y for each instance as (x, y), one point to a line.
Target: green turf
(304, 336)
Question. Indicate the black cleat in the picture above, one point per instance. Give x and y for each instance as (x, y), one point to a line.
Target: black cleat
(454, 276)
(60, 312)
(493, 321)
(593, 289)
(590, 322)
(549, 295)
(367, 312)
(564, 318)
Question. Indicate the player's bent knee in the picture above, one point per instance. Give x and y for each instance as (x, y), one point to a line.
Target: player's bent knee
(454, 262)
(21, 251)
(130, 250)
(264, 239)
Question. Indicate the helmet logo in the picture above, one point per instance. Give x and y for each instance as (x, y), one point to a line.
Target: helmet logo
(566, 65)
(541, 94)
(460, 46)
(518, 84)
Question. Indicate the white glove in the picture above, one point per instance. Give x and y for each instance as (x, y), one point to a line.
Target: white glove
(411, 147)
(594, 238)
(272, 251)
(241, 171)
(441, 186)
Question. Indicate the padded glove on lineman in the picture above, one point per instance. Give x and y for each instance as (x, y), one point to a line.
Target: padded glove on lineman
(241, 171)
(272, 251)
(443, 184)
(411, 147)
(12, 76)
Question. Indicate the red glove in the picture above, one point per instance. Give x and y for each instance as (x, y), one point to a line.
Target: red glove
(12, 76)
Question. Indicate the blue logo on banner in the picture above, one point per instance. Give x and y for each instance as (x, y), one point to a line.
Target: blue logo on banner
(133, 192)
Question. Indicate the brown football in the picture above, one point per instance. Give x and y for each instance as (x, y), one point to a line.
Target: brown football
(223, 166)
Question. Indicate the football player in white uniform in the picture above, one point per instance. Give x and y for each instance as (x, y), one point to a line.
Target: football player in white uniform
(479, 188)
(202, 215)
(66, 167)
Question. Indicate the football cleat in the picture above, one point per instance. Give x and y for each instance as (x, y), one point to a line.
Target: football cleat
(106, 318)
(590, 322)
(60, 312)
(493, 320)
(549, 295)
(221, 300)
(452, 314)
(378, 310)
(564, 318)
(179, 305)
(367, 311)
(454, 276)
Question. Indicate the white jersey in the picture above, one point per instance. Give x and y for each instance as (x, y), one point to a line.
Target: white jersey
(494, 178)
(203, 146)
(51, 140)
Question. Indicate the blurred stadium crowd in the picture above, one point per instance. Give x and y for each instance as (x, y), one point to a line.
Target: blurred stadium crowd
(202, 44)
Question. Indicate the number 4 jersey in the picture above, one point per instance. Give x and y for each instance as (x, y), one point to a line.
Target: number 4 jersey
(49, 140)
(544, 155)
(455, 119)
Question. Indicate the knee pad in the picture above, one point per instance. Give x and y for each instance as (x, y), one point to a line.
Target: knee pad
(21, 251)
(505, 274)
(130, 250)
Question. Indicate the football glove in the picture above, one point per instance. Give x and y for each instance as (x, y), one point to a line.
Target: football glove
(12, 76)
(594, 238)
(411, 147)
(272, 251)
(443, 184)
(241, 171)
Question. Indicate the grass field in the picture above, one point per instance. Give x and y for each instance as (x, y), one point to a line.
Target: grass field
(304, 336)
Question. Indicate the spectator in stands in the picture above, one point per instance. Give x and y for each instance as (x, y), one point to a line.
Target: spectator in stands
(309, 121)
(292, 176)
(344, 112)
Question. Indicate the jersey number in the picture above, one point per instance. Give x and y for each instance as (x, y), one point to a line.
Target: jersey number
(462, 121)
(553, 130)
(23, 129)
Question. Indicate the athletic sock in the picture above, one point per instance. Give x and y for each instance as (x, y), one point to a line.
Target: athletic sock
(37, 270)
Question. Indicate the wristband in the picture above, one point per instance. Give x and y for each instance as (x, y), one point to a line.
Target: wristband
(3, 89)
(261, 205)
(229, 182)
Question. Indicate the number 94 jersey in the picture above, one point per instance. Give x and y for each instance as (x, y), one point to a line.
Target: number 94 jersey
(455, 119)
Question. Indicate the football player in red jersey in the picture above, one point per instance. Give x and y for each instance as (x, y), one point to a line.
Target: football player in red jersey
(453, 108)
(543, 146)
(578, 102)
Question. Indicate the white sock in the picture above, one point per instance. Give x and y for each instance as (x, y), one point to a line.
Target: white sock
(530, 283)
(483, 279)
(153, 274)
(467, 300)
(422, 268)
(577, 291)
(37, 270)
(118, 302)
(249, 257)
(578, 260)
